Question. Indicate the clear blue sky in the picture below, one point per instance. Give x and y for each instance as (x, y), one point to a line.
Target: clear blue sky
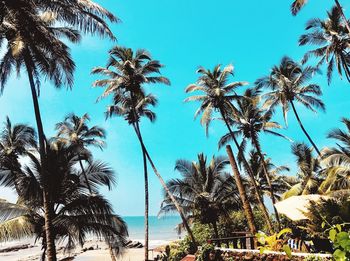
(182, 34)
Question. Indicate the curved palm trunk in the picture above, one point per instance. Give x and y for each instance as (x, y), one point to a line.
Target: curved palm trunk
(302, 127)
(246, 206)
(162, 182)
(251, 176)
(145, 171)
(48, 207)
(343, 15)
(273, 199)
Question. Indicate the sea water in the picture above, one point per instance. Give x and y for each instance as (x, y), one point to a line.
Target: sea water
(161, 230)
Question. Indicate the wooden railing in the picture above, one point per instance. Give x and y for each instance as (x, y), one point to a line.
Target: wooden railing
(238, 240)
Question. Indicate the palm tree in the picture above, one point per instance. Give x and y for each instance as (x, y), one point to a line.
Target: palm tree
(337, 160)
(288, 83)
(297, 5)
(250, 121)
(87, 16)
(218, 96)
(205, 191)
(76, 213)
(309, 168)
(75, 132)
(123, 107)
(51, 58)
(333, 40)
(131, 71)
(33, 43)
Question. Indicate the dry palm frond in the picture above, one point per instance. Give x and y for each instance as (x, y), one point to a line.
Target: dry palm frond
(16, 228)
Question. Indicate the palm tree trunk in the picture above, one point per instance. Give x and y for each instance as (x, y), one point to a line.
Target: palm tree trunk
(111, 253)
(263, 163)
(303, 129)
(84, 174)
(251, 176)
(246, 206)
(145, 171)
(162, 182)
(48, 207)
(343, 15)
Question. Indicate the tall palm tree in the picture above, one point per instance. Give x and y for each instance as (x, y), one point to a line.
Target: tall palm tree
(132, 70)
(205, 191)
(76, 213)
(288, 83)
(297, 5)
(122, 107)
(332, 39)
(218, 97)
(337, 161)
(48, 56)
(250, 120)
(308, 174)
(33, 43)
(73, 130)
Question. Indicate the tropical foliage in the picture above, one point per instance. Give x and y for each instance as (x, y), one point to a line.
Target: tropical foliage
(287, 83)
(77, 214)
(205, 191)
(218, 96)
(127, 73)
(332, 38)
(58, 181)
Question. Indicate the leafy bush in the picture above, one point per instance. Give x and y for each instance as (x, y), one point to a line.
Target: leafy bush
(201, 232)
(314, 258)
(237, 221)
(274, 242)
(208, 252)
(341, 242)
(332, 211)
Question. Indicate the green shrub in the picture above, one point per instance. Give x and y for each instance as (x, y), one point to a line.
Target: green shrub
(314, 258)
(341, 242)
(201, 232)
(206, 251)
(237, 221)
(332, 211)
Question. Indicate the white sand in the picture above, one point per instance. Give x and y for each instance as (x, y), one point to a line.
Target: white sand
(101, 254)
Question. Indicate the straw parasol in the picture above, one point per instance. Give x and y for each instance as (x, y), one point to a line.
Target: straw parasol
(294, 207)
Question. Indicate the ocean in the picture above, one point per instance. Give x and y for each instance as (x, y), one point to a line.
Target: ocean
(161, 230)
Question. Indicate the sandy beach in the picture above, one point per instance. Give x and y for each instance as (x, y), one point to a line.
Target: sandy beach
(100, 252)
